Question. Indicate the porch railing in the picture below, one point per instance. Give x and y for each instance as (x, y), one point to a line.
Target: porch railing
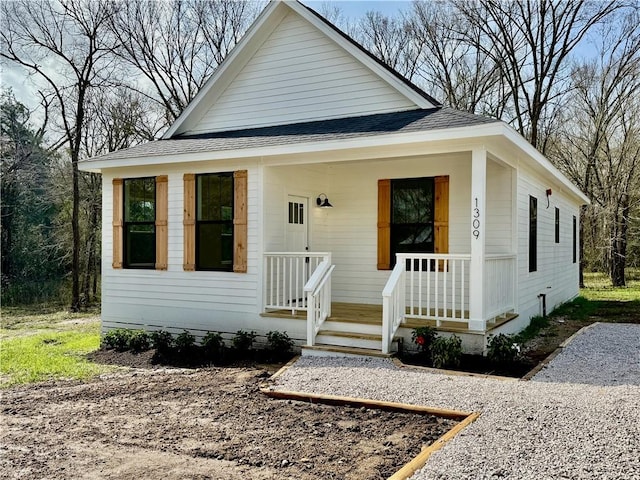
(285, 276)
(500, 284)
(393, 305)
(318, 292)
(425, 286)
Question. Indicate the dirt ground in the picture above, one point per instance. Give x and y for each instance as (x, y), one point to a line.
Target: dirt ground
(210, 423)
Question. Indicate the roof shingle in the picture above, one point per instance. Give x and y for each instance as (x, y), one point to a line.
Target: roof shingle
(316, 131)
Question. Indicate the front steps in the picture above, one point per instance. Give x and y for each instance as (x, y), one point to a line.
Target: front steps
(349, 337)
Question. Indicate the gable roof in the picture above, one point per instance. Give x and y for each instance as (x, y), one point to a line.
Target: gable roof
(406, 95)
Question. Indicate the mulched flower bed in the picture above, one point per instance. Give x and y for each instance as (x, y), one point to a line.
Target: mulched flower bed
(475, 364)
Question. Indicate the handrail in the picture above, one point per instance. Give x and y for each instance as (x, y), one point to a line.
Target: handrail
(317, 276)
(318, 293)
(396, 273)
(324, 280)
(393, 305)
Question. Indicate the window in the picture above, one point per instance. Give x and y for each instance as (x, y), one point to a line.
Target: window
(412, 211)
(575, 237)
(557, 225)
(139, 227)
(533, 234)
(413, 217)
(296, 213)
(214, 221)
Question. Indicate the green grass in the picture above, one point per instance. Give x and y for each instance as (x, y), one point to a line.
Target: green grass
(599, 301)
(56, 355)
(598, 287)
(532, 330)
(38, 345)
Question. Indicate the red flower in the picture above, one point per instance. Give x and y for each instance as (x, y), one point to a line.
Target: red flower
(420, 340)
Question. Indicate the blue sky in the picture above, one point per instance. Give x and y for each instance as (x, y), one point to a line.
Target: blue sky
(354, 9)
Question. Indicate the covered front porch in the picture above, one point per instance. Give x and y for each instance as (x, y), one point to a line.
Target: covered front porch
(317, 260)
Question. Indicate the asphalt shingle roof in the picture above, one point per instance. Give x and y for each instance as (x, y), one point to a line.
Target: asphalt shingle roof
(316, 131)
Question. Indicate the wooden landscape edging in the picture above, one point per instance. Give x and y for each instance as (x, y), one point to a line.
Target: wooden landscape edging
(466, 418)
(363, 402)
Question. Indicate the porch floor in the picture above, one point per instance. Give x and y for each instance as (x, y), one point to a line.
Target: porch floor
(372, 315)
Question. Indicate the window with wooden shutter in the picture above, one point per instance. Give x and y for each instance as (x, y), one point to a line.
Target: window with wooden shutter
(413, 217)
(117, 223)
(215, 221)
(189, 222)
(240, 221)
(162, 212)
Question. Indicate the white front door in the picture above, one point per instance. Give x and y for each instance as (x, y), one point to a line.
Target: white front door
(296, 231)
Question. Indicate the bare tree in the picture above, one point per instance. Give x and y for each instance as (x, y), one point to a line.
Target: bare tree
(600, 144)
(67, 45)
(454, 67)
(176, 45)
(117, 118)
(391, 40)
(530, 42)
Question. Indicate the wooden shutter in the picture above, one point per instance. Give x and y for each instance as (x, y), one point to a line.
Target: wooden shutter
(162, 212)
(189, 222)
(441, 217)
(117, 223)
(240, 221)
(384, 224)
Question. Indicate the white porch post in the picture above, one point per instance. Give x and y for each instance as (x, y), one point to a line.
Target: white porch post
(477, 231)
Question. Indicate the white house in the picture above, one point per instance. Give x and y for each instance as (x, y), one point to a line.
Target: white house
(439, 217)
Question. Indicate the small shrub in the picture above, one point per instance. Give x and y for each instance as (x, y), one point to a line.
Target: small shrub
(213, 345)
(446, 352)
(280, 344)
(502, 349)
(138, 341)
(424, 337)
(185, 341)
(162, 341)
(118, 339)
(243, 341)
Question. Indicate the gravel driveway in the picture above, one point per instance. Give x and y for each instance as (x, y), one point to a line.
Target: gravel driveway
(547, 428)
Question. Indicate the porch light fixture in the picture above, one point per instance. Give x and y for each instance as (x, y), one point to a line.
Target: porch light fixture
(323, 202)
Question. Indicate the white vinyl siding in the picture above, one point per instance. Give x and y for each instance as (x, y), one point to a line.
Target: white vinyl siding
(556, 275)
(349, 230)
(175, 298)
(498, 230)
(298, 75)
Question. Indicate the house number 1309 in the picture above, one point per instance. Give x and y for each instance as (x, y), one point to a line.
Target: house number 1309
(476, 220)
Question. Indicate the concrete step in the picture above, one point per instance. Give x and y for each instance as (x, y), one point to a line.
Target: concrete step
(340, 351)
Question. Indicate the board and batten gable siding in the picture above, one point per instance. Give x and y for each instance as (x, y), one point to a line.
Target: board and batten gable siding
(174, 298)
(297, 75)
(556, 274)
